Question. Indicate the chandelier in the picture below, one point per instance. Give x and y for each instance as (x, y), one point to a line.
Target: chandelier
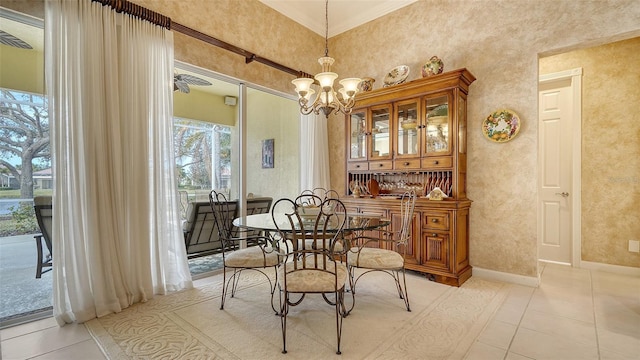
(326, 100)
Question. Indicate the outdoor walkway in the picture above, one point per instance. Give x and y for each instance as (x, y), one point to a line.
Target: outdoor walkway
(20, 291)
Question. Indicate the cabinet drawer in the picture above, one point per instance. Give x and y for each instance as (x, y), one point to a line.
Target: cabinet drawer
(357, 166)
(437, 162)
(380, 165)
(406, 164)
(436, 221)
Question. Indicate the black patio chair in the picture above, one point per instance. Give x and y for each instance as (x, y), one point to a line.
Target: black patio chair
(44, 211)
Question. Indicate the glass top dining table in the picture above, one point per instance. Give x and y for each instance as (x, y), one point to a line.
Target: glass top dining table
(265, 222)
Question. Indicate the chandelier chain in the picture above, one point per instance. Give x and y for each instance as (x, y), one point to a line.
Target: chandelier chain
(326, 28)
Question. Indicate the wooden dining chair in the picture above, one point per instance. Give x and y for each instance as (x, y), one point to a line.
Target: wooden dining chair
(311, 269)
(388, 257)
(263, 253)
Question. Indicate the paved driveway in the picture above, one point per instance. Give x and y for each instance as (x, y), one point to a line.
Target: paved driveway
(20, 291)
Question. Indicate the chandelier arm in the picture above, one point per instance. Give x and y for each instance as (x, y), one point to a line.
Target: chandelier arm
(305, 110)
(317, 102)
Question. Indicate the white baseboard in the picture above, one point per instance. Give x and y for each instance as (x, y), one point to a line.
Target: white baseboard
(617, 269)
(532, 281)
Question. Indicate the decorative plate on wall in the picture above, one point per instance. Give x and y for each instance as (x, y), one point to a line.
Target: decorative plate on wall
(501, 126)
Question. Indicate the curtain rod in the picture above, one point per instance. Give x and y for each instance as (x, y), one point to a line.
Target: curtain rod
(153, 17)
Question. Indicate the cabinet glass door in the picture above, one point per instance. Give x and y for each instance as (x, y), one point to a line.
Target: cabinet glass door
(380, 132)
(358, 136)
(438, 138)
(407, 125)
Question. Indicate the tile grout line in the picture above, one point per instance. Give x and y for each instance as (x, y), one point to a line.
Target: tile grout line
(593, 309)
(61, 348)
(506, 354)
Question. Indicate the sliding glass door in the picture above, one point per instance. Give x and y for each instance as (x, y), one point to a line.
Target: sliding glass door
(213, 153)
(224, 139)
(25, 168)
(272, 145)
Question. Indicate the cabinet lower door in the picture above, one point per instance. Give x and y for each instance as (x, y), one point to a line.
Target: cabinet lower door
(435, 250)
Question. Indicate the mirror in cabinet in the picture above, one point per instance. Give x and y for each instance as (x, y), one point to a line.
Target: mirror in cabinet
(380, 132)
(408, 128)
(437, 125)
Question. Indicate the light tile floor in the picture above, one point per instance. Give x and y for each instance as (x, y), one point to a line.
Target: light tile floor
(574, 314)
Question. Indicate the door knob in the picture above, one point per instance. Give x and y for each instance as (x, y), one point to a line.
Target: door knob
(563, 194)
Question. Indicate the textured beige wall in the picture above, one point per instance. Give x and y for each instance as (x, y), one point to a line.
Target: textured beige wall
(610, 147)
(249, 25)
(499, 42)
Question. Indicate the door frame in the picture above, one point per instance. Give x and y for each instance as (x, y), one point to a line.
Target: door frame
(575, 75)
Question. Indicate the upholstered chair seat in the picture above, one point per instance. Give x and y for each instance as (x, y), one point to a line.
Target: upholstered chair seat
(375, 258)
(253, 257)
(312, 279)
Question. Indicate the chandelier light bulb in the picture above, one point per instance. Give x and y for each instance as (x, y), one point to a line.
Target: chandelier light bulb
(326, 80)
(350, 85)
(303, 85)
(308, 95)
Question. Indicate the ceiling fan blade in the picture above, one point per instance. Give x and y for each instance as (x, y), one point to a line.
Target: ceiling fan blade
(182, 86)
(193, 80)
(8, 39)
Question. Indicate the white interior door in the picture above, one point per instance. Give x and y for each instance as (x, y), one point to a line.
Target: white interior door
(557, 192)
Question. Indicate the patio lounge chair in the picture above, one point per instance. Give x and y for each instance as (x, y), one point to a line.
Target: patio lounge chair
(43, 209)
(200, 233)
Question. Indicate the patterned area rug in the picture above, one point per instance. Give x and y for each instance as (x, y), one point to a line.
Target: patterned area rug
(205, 264)
(443, 324)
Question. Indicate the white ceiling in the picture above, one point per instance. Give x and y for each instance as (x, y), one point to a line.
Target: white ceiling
(343, 14)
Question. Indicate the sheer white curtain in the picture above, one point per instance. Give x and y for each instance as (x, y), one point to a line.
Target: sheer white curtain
(314, 152)
(116, 232)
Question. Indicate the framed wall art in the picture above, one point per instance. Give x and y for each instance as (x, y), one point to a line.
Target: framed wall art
(267, 154)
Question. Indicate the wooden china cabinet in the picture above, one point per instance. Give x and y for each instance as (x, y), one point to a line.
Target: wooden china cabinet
(414, 136)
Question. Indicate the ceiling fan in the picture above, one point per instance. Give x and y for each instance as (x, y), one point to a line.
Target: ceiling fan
(8, 39)
(181, 82)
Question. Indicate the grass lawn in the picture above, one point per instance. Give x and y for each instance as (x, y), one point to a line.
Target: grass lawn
(15, 193)
(9, 226)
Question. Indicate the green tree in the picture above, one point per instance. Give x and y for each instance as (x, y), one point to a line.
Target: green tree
(200, 147)
(24, 134)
